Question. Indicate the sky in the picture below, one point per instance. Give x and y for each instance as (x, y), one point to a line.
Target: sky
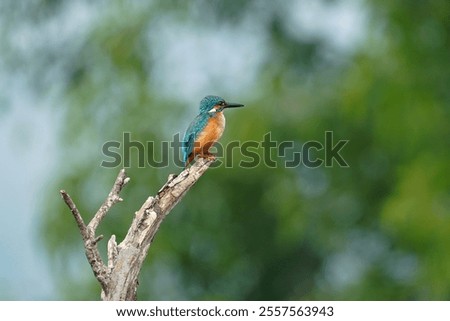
(30, 122)
(29, 142)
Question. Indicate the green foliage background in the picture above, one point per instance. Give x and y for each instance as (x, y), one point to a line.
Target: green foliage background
(378, 230)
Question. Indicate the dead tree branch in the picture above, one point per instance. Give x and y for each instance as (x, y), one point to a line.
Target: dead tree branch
(119, 277)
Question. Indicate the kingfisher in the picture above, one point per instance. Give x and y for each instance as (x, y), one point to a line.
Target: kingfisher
(206, 128)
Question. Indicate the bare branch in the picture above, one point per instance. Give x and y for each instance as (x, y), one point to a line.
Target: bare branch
(119, 280)
(76, 214)
(88, 231)
(134, 248)
(112, 252)
(113, 198)
(98, 239)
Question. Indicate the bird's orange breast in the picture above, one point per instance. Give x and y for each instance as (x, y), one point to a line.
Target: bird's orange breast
(211, 133)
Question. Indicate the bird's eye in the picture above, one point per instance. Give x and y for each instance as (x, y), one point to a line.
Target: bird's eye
(222, 103)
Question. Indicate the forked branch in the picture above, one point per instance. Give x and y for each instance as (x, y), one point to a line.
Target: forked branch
(118, 278)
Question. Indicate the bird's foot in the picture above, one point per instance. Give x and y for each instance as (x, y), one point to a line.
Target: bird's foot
(208, 156)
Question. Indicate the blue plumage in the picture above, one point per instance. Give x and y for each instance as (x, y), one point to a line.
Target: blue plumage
(195, 128)
(210, 110)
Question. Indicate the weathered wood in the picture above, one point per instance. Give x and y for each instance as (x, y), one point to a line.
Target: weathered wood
(119, 278)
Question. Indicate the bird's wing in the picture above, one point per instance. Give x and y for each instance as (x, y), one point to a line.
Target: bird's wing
(191, 134)
(188, 145)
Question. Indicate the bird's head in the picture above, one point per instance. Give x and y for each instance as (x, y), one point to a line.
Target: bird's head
(214, 104)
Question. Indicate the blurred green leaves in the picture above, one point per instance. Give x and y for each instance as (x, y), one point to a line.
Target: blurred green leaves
(378, 230)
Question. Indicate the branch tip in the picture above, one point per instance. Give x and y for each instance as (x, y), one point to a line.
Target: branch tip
(98, 239)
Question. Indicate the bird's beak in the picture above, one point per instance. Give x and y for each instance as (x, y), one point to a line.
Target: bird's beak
(233, 105)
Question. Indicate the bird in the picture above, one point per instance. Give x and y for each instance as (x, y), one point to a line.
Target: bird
(206, 129)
